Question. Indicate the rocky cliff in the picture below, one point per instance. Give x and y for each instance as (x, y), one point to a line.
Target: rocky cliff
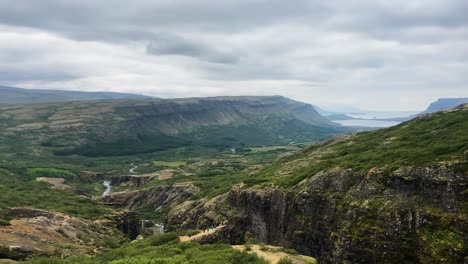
(157, 196)
(396, 195)
(342, 216)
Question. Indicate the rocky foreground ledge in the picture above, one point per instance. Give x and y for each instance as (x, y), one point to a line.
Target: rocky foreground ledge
(33, 232)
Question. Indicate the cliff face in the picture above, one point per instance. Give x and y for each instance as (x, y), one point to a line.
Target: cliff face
(157, 196)
(342, 216)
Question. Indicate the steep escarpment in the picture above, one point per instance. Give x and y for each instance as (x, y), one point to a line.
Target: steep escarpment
(414, 215)
(156, 197)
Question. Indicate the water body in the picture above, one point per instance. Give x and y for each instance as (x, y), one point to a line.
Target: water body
(382, 115)
(157, 228)
(366, 123)
(132, 170)
(108, 188)
(160, 228)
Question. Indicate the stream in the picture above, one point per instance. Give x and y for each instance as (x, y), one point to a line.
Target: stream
(134, 167)
(157, 228)
(108, 188)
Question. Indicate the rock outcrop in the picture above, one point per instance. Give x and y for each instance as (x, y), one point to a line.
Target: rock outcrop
(347, 217)
(35, 232)
(157, 196)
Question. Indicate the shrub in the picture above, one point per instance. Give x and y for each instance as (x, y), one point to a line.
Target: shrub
(4, 222)
(285, 260)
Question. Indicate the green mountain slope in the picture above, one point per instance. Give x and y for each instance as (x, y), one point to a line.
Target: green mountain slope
(395, 195)
(433, 139)
(125, 127)
(13, 95)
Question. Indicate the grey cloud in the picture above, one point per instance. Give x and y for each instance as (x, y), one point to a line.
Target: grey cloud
(345, 46)
(120, 20)
(170, 44)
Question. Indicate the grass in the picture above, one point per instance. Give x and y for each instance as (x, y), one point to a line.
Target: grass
(17, 191)
(33, 173)
(163, 249)
(4, 222)
(271, 148)
(170, 164)
(440, 138)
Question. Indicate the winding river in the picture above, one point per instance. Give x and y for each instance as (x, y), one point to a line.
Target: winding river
(108, 188)
(134, 167)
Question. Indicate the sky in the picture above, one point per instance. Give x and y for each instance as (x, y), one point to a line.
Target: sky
(379, 55)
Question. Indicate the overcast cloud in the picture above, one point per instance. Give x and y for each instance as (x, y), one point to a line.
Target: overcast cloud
(381, 55)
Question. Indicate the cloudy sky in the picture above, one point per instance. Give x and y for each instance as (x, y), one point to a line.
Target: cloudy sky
(381, 55)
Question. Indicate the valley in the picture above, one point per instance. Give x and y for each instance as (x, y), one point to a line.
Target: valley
(233, 132)
(265, 174)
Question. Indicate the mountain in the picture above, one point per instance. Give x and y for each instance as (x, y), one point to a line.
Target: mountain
(12, 95)
(395, 195)
(444, 104)
(125, 127)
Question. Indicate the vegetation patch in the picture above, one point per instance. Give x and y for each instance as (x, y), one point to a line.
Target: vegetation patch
(164, 249)
(170, 164)
(17, 191)
(33, 173)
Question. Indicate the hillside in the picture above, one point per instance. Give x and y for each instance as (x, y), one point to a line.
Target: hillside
(126, 127)
(391, 195)
(395, 195)
(13, 96)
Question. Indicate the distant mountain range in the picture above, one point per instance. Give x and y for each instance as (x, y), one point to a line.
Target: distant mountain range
(112, 128)
(439, 105)
(444, 104)
(13, 95)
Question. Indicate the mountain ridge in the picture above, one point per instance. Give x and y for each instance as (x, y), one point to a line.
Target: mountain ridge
(114, 127)
(444, 104)
(13, 95)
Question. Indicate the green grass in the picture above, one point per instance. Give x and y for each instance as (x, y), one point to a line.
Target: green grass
(271, 148)
(170, 164)
(17, 191)
(440, 138)
(163, 249)
(33, 173)
(4, 222)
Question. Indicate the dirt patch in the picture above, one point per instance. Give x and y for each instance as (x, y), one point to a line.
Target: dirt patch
(201, 234)
(57, 183)
(162, 174)
(183, 184)
(274, 254)
(165, 174)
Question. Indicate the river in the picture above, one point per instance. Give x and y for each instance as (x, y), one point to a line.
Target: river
(108, 188)
(132, 170)
(366, 123)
